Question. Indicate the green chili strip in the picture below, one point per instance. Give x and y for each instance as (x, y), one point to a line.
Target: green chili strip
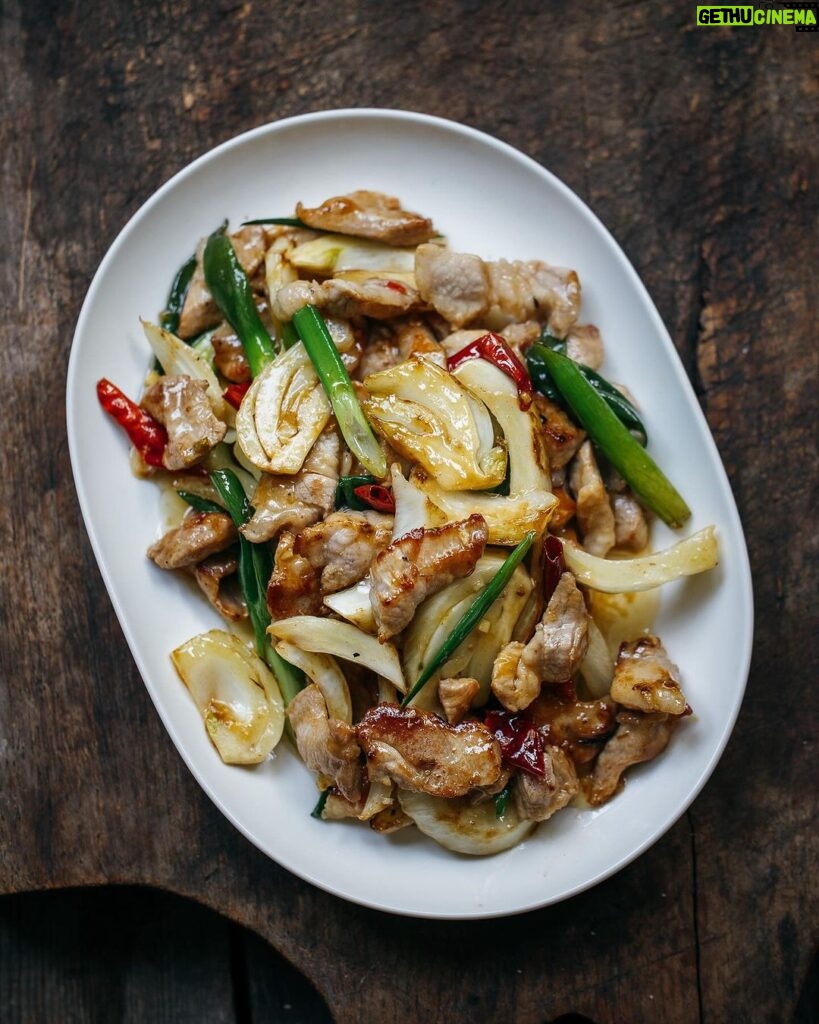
(200, 504)
(169, 317)
(613, 439)
(230, 288)
(333, 375)
(473, 615)
(616, 400)
(255, 566)
(502, 799)
(345, 492)
(318, 810)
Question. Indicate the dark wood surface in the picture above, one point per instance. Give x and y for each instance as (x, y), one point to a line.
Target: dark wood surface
(699, 148)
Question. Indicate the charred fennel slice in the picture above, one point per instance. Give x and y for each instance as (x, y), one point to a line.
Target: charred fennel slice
(465, 827)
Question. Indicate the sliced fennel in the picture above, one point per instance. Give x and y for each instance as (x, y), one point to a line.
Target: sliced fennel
(688, 557)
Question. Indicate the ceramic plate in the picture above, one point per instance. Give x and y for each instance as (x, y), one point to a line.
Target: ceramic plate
(491, 200)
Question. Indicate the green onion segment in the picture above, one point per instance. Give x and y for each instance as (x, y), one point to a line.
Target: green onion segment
(473, 615)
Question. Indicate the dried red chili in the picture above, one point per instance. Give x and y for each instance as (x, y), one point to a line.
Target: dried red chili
(146, 435)
(499, 352)
(553, 565)
(520, 741)
(234, 393)
(377, 496)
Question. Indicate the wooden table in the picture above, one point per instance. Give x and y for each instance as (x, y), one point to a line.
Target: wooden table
(699, 148)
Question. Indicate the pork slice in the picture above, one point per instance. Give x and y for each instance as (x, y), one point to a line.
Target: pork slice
(326, 745)
(182, 406)
(419, 564)
(422, 753)
(368, 214)
(561, 436)
(554, 653)
(293, 588)
(538, 799)
(638, 738)
(343, 546)
(585, 345)
(198, 536)
(199, 310)
(217, 577)
(630, 525)
(456, 696)
(229, 355)
(532, 290)
(594, 513)
(645, 678)
(454, 284)
(293, 502)
(374, 297)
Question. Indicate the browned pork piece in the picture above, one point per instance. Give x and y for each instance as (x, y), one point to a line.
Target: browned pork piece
(419, 564)
(326, 745)
(218, 580)
(456, 696)
(594, 513)
(630, 526)
(182, 406)
(396, 342)
(465, 289)
(368, 215)
(537, 799)
(584, 345)
(554, 653)
(199, 535)
(561, 436)
(293, 588)
(344, 545)
(576, 726)
(373, 297)
(638, 738)
(199, 310)
(229, 355)
(420, 752)
(645, 679)
(293, 502)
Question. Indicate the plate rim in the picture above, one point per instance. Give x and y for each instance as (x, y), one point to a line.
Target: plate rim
(744, 644)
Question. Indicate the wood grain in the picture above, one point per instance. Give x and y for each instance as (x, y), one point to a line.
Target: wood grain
(698, 148)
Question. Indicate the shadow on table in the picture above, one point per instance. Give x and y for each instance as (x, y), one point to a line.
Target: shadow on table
(132, 954)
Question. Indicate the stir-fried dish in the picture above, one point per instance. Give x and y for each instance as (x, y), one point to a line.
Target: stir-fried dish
(424, 514)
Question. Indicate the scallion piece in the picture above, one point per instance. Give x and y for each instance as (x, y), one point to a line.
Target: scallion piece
(255, 566)
(230, 288)
(318, 810)
(615, 441)
(332, 372)
(169, 317)
(288, 222)
(473, 615)
(200, 504)
(616, 400)
(502, 799)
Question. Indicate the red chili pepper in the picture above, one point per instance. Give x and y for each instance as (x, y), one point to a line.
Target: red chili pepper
(554, 565)
(146, 435)
(234, 393)
(397, 287)
(497, 351)
(376, 496)
(520, 741)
